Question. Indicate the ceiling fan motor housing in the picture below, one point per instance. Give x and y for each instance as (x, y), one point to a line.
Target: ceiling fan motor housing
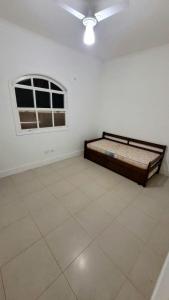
(89, 21)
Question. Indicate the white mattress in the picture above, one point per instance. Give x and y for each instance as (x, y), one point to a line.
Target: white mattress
(137, 157)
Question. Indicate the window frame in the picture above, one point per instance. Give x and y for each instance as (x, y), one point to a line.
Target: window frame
(16, 109)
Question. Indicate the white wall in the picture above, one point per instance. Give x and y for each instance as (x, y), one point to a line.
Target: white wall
(23, 52)
(135, 97)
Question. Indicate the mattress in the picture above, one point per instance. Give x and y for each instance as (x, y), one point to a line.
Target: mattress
(137, 157)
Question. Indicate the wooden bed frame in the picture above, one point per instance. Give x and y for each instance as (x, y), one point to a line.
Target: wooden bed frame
(132, 172)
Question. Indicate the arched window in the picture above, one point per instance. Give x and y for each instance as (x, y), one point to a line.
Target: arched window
(40, 104)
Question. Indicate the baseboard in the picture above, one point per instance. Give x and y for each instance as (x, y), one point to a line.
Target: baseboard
(30, 166)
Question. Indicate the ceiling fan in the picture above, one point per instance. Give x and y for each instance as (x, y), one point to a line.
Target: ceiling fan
(93, 14)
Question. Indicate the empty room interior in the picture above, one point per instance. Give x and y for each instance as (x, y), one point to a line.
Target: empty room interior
(84, 161)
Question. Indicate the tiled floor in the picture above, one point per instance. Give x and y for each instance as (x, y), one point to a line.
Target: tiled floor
(74, 230)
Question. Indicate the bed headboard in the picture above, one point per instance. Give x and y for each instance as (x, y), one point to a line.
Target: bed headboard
(157, 148)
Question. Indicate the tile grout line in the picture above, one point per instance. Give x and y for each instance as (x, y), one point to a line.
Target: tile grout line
(21, 252)
(12, 223)
(61, 272)
(44, 240)
(70, 286)
(133, 287)
(120, 270)
(3, 286)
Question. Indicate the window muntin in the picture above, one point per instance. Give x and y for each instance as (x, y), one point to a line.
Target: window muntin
(41, 104)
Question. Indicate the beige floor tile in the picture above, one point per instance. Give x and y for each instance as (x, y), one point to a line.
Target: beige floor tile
(165, 217)
(60, 290)
(112, 203)
(159, 180)
(12, 212)
(107, 180)
(22, 177)
(93, 276)
(94, 219)
(127, 189)
(92, 172)
(9, 191)
(38, 200)
(71, 170)
(62, 164)
(75, 201)
(4, 200)
(77, 159)
(146, 272)
(17, 237)
(137, 222)
(92, 190)
(159, 193)
(61, 188)
(30, 273)
(154, 207)
(122, 246)
(44, 170)
(49, 217)
(166, 183)
(128, 292)
(83, 163)
(29, 187)
(159, 240)
(67, 242)
(2, 295)
(80, 179)
(5, 181)
(48, 179)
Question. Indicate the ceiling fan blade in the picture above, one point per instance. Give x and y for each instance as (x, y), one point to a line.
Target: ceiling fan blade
(112, 10)
(71, 10)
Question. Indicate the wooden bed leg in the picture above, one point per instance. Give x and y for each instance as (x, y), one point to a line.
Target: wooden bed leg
(158, 171)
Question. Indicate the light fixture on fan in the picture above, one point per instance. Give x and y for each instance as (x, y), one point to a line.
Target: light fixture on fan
(89, 19)
(89, 35)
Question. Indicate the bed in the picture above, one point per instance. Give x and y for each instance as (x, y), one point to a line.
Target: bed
(135, 159)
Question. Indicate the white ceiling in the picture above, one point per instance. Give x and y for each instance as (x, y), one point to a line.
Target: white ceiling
(144, 25)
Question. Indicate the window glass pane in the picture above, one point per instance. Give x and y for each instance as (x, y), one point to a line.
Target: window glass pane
(28, 126)
(45, 119)
(59, 119)
(41, 83)
(42, 99)
(27, 119)
(55, 87)
(58, 100)
(24, 98)
(27, 116)
(25, 82)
